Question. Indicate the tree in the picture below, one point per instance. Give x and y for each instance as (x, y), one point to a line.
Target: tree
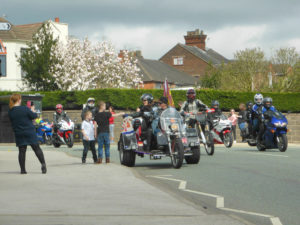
(86, 66)
(38, 60)
(212, 77)
(284, 59)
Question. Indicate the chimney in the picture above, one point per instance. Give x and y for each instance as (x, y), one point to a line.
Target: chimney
(195, 38)
(56, 20)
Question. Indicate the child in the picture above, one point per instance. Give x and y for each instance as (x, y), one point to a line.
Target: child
(233, 118)
(111, 124)
(88, 139)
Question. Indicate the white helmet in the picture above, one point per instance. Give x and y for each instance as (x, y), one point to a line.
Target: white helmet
(91, 102)
(258, 99)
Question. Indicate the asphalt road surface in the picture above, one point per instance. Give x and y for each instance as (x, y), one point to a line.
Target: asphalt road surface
(255, 187)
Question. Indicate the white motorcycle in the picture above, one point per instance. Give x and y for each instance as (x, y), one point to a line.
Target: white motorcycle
(221, 131)
(64, 134)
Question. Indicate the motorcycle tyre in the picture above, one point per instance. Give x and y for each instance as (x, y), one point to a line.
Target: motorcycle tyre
(48, 141)
(210, 145)
(127, 157)
(195, 158)
(229, 144)
(70, 141)
(179, 149)
(284, 142)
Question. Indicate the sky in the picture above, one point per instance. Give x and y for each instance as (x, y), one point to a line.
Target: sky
(155, 26)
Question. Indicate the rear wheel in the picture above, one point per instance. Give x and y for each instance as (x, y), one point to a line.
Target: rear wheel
(228, 140)
(56, 145)
(260, 146)
(282, 142)
(127, 157)
(177, 155)
(209, 146)
(251, 143)
(195, 158)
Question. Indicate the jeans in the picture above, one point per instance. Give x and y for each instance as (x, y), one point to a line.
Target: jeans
(111, 130)
(234, 132)
(86, 146)
(242, 126)
(103, 139)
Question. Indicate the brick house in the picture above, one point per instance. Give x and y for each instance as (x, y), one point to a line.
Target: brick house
(193, 57)
(154, 73)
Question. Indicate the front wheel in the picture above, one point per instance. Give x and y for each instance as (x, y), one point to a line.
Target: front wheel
(127, 157)
(195, 158)
(282, 142)
(209, 146)
(178, 154)
(228, 140)
(48, 139)
(70, 140)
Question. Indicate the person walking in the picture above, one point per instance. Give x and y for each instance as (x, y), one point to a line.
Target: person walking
(111, 124)
(22, 118)
(102, 131)
(88, 136)
(233, 118)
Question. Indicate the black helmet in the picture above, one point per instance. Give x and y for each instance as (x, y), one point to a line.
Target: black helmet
(147, 97)
(215, 103)
(191, 94)
(249, 104)
(267, 102)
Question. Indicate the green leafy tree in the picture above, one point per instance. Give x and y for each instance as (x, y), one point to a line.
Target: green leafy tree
(212, 77)
(37, 62)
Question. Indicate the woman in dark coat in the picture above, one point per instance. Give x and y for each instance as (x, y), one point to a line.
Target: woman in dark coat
(21, 118)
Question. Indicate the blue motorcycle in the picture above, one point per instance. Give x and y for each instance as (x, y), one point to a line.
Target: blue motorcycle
(44, 132)
(275, 132)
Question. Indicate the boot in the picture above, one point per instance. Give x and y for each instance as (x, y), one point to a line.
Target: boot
(44, 168)
(99, 160)
(107, 160)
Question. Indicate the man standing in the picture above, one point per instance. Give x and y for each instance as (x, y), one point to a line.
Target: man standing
(102, 131)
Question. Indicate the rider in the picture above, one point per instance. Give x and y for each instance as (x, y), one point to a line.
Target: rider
(162, 105)
(215, 112)
(192, 105)
(249, 106)
(255, 112)
(59, 115)
(265, 116)
(90, 106)
(145, 111)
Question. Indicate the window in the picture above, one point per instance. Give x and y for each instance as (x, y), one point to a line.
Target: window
(2, 65)
(178, 60)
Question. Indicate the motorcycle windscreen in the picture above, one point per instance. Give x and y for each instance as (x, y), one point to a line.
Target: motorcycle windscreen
(277, 117)
(171, 119)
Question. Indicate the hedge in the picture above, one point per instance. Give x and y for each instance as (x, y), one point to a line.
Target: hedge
(130, 98)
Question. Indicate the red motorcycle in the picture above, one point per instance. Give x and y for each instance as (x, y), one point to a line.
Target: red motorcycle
(64, 134)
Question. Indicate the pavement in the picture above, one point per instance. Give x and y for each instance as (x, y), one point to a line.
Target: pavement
(73, 193)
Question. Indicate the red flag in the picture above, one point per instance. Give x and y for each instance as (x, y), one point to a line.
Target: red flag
(167, 93)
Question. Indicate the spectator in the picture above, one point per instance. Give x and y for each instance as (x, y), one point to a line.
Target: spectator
(233, 118)
(102, 131)
(88, 133)
(22, 122)
(111, 124)
(242, 121)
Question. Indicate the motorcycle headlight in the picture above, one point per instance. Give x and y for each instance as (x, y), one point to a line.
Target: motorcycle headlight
(280, 124)
(174, 127)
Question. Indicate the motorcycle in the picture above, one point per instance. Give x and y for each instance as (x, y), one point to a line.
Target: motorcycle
(275, 133)
(44, 132)
(169, 141)
(205, 137)
(64, 134)
(221, 131)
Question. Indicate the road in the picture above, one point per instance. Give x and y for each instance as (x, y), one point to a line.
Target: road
(255, 187)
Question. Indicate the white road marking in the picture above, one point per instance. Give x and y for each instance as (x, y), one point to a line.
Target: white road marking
(267, 154)
(220, 202)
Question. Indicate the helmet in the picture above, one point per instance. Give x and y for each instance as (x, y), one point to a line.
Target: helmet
(59, 108)
(249, 104)
(215, 103)
(258, 98)
(91, 102)
(267, 102)
(147, 97)
(191, 94)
